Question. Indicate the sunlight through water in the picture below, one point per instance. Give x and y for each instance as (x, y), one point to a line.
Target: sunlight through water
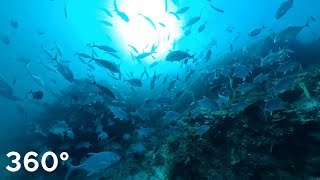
(141, 33)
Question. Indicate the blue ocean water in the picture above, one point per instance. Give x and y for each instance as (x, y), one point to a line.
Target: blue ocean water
(177, 89)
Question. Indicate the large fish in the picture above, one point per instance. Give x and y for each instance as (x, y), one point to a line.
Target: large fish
(121, 14)
(65, 71)
(111, 66)
(284, 8)
(104, 48)
(291, 32)
(95, 163)
(105, 90)
(6, 90)
(178, 56)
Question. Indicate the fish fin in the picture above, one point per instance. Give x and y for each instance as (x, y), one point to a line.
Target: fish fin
(178, 77)
(71, 168)
(90, 173)
(175, 15)
(307, 24)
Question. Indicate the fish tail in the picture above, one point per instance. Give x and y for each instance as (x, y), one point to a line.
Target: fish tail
(307, 24)
(178, 77)
(28, 70)
(92, 56)
(176, 15)
(71, 168)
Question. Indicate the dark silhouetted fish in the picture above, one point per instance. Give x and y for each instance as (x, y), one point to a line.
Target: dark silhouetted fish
(122, 15)
(135, 82)
(178, 56)
(284, 8)
(6, 90)
(104, 48)
(256, 31)
(95, 163)
(104, 90)
(173, 83)
(153, 81)
(217, 9)
(149, 21)
(273, 104)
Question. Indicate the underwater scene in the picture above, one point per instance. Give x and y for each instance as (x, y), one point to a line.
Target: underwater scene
(160, 89)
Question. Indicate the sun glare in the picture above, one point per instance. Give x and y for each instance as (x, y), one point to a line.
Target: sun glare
(140, 33)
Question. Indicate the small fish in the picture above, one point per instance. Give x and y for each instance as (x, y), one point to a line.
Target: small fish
(192, 21)
(107, 12)
(208, 54)
(153, 81)
(245, 87)
(135, 82)
(273, 104)
(172, 83)
(171, 116)
(119, 113)
(65, 11)
(201, 27)
(241, 106)
(256, 31)
(104, 48)
(179, 12)
(260, 78)
(182, 10)
(187, 32)
(114, 55)
(95, 163)
(284, 84)
(283, 9)
(230, 47)
(59, 50)
(5, 39)
(144, 55)
(241, 71)
(122, 15)
(111, 66)
(165, 79)
(83, 145)
(105, 90)
(149, 21)
(83, 55)
(14, 24)
(154, 64)
(166, 5)
(189, 74)
(313, 18)
(207, 103)
(179, 93)
(107, 23)
(6, 90)
(50, 68)
(178, 56)
(145, 72)
(14, 81)
(287, 66)
(161, 24)
(35, 78)
(201, 130)
(134, 49)
(217, 9)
